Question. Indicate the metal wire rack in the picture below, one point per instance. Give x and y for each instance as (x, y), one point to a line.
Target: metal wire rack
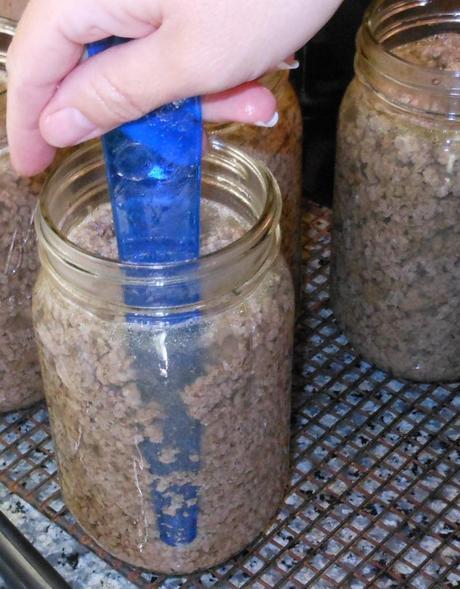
(375, 486)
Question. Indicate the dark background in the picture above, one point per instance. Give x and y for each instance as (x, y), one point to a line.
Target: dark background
(325, 71)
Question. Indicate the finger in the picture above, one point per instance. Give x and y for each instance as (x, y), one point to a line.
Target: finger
(114, 87)
(47, 46)
(30, 87)
(249, 103)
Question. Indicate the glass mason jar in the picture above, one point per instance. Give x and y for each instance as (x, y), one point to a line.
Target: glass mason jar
(280, 148)
(171, 421)
(395, 283)
(20, 383)
(7, 31)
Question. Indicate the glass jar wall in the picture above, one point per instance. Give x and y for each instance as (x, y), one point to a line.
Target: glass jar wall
(396, 236)
(20, 383)
(280, 148)
(171, 422)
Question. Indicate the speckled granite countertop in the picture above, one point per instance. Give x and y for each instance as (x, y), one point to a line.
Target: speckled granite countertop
(80, 567)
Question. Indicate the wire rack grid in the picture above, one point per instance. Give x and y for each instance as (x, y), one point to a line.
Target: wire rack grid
(375, 486)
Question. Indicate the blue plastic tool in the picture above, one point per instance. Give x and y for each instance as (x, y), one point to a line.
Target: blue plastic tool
(154, 173)
(154, 176)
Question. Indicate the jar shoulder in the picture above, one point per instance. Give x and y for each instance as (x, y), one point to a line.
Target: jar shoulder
(364, 107)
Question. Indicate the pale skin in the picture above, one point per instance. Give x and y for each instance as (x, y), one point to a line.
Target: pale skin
(180, 48)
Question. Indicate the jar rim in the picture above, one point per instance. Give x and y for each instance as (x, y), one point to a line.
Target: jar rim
(270, 215)
(261, 241)
(387, 20)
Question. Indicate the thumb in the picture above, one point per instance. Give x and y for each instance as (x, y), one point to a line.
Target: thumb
(121, 84)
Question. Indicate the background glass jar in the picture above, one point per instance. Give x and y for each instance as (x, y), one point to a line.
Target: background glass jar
(171, 422)
(280, 148)
(396, 236)
(20, 383)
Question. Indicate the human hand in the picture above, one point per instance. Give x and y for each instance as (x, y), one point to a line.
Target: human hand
(212, 48)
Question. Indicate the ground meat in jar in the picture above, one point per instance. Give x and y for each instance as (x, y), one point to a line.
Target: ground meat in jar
(280, 148)
(395, 265)
(19, 368)
(101, 420)
(441, 52)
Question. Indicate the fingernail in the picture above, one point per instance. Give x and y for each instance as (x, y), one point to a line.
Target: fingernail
(289, 65)
(68, 127)
(271, 123)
